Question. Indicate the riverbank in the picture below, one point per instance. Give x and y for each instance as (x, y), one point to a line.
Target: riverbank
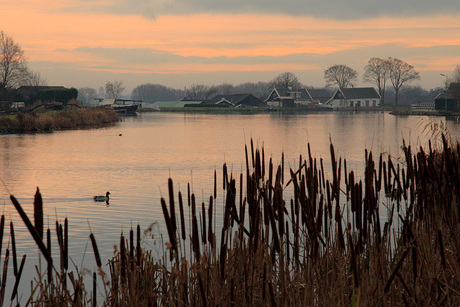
(402, 110)
(57, 120)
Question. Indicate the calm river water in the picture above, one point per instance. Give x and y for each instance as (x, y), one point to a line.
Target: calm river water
(134, 159)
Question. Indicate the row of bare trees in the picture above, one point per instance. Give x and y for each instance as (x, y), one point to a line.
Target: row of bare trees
(377, 72)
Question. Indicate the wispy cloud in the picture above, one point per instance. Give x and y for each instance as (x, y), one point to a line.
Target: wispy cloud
(342, 10)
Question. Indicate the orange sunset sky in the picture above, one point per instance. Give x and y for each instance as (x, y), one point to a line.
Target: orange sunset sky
(85, 43)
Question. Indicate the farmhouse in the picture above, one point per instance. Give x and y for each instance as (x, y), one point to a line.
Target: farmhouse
(296, 97)
(236, 100)
(357, 97)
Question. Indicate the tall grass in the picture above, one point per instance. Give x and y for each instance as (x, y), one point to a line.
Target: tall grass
(57, 120)
(326, 244)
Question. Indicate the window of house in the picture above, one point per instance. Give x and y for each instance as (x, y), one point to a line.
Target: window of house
(374, 103)
(358, 103)
(351, 103)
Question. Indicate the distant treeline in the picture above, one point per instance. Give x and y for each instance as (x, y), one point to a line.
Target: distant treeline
(155, 92)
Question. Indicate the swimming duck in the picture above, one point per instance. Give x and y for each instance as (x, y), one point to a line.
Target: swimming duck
(102, 198)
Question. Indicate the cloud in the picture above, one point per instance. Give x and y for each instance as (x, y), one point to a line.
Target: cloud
(146, 60)
(331, 9)
(145, 56)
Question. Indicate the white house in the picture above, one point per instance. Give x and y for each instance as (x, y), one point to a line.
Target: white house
(357, 97)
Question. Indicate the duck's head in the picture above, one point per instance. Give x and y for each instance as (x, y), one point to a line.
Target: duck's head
(107, 194)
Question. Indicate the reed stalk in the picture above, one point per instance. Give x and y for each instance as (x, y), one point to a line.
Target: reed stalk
(325, 243)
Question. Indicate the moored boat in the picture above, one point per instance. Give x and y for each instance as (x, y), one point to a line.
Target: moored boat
(121, 106)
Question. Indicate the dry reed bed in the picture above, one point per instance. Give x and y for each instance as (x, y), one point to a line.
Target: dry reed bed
(57, 120)
(326, 245)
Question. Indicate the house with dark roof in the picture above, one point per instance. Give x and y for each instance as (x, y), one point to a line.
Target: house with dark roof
(236, 100)
(296, 97)
(443, 102)
(319, 95)
(281, 98)
(356, 97)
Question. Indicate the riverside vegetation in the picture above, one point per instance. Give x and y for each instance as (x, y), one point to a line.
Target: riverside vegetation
(57, 120)
(325, 245)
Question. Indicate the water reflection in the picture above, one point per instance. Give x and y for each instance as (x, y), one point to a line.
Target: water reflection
(134, 159)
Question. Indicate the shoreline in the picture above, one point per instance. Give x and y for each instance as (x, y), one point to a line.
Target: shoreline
(57, 120)
(400, 111)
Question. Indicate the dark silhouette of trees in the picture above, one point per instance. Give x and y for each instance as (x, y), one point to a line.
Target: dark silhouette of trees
(63, 95)
(400, 73)
(114, 89)
(200, 92)
(259, 89)
(377, 72)
(456, 74)
(285, 81)
(86, 94)
(340, 75)
(12, 62)
(156, 92)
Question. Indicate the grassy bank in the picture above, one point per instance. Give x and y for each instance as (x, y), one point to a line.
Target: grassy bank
(57, 120)
(325, 245)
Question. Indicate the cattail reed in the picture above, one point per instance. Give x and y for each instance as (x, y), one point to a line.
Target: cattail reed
(2, 227)
(13, 247)
(38, 213)
(170, 227)
(96, 250)
(318, 243)
(131, 249)
(138, 245)
(31, 229)
(182, 219)
(123, 261)
(66, 244)
(4, 276)
(172, 209)
(18, 278)
(48, 246)
(210, 233)
(94, 298)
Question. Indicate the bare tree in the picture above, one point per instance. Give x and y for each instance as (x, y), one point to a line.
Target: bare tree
(12, 62)
(86, 94)
(456, 75)
(260, 89)
(31, 78)
(285, 81)
(377, 72)
(200, 92)
(401, 73)
(453, 83)
(155, 92)
(114, 89)
(340, 75)
(225, 89)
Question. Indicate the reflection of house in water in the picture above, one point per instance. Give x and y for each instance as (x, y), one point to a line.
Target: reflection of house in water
(357, 97)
